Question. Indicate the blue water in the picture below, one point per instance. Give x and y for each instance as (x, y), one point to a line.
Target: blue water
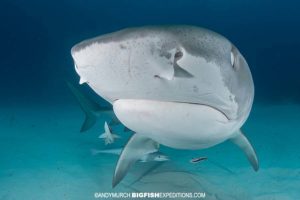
(42, 153)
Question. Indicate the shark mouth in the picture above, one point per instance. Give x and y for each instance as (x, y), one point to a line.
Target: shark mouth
(203, 104)
(200, 104)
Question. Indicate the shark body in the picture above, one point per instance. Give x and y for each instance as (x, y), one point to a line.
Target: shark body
(184, 87)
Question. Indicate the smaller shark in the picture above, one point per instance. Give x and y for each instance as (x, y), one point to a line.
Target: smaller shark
(108, 136)
(155, 156)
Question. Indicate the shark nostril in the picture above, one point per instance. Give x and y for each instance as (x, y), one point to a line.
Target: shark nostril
(178, 55)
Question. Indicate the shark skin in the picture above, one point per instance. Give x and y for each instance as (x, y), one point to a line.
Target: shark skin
(181, 86)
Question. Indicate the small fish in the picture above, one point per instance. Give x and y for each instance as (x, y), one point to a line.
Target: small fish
(106, 151)
(155, 156)
(108, 136)
(199, 159)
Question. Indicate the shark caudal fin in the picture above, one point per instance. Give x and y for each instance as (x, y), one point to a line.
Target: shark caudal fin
(89, 107)
(241, 141)
(136, 148)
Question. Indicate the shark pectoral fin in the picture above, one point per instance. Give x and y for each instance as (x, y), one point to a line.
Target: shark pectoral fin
(241, 141)
(180, 72)
(136, 148)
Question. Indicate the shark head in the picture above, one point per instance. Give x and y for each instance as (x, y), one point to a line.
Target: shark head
(167, 63)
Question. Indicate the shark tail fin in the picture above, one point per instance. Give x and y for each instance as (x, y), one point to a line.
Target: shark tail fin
(88, 106)
(137, 146)
(243, 143)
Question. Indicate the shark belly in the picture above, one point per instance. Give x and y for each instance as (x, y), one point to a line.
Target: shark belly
(175, 124)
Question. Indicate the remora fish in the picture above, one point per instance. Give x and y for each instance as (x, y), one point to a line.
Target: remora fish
(155, 156)
(108, 136)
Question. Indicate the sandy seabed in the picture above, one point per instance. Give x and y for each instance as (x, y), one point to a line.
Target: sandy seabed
(43, 156)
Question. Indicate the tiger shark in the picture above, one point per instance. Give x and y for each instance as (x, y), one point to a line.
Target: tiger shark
(184, 87)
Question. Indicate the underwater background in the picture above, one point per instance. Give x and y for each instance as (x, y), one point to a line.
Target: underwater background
(43, 155)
